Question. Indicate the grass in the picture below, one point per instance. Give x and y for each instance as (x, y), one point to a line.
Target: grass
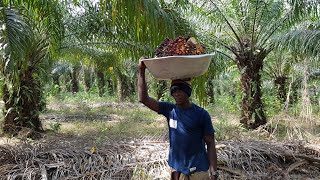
(91, 123)
(99, 119)
(280, 127)
(134, 120)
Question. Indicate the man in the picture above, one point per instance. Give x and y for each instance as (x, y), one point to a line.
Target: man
(190, 128)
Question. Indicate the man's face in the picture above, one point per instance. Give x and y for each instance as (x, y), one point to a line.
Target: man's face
(180, 97)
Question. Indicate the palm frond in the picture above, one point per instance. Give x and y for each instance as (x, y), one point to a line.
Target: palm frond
(303, 8)
(16, 35)
(304, 38)
(16, 30)
(137, 22)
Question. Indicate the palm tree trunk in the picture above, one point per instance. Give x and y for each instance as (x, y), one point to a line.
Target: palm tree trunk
(125, 87)
(210, 91)
(88, 79)
(280, 83)
(74, 81)
(101, 83)
(22, 106)
(67, 81)
(56, 82)
(252, 112)
(31, 103)
(111, 88)
(9, 126)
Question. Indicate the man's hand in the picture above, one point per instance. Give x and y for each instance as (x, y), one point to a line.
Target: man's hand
(141, 65)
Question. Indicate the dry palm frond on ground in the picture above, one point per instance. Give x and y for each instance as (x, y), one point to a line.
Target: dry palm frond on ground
(145, 159)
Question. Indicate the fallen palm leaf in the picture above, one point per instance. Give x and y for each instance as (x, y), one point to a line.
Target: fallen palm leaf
(147, 159)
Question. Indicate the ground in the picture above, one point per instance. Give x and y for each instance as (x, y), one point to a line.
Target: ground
(127, 141)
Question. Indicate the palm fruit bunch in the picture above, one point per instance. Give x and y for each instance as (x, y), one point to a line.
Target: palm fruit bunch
(179, 46)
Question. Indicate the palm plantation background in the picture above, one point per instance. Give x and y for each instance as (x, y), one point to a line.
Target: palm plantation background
(266, 59)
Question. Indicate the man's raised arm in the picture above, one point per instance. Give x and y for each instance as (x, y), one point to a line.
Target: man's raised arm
(143, 91)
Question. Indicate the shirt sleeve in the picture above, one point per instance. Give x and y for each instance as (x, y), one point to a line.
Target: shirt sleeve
(165, 108)
(207, 123)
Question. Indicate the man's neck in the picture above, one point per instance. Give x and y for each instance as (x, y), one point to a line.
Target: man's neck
(185, 105)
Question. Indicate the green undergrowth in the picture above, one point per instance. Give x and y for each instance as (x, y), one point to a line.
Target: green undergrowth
(125, 120)
(99, 119)
(104, 121)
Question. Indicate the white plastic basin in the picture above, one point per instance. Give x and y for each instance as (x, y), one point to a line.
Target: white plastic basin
(178, 67)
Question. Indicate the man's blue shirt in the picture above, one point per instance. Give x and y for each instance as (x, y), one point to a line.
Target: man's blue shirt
(187, 128)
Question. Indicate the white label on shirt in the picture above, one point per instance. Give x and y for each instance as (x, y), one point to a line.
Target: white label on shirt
(173, 123)
(193, 169)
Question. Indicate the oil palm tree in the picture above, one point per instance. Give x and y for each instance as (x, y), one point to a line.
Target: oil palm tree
(278, 67)
(29, 30)
(125, 30)
(304, 39)
(243, 31)
(60, 69)
(35, 30)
